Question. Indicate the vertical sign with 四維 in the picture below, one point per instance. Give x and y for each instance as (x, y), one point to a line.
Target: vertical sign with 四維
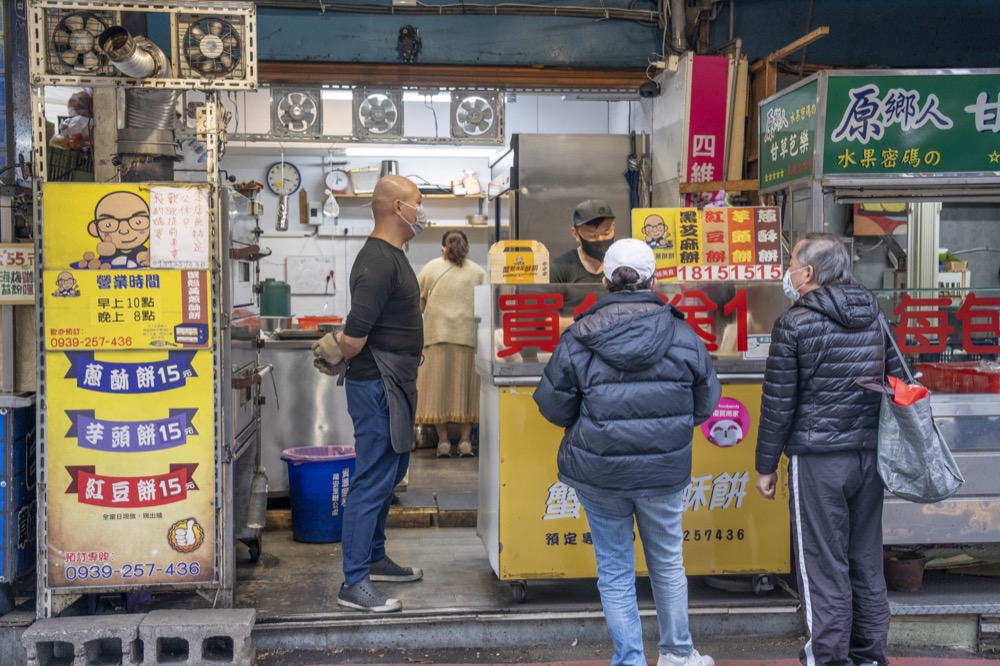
(706, 140)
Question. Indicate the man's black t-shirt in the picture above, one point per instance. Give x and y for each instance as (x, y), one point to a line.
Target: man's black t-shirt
(567, 269)
(385, 306)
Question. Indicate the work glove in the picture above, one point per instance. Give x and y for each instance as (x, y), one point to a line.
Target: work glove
(328, 358)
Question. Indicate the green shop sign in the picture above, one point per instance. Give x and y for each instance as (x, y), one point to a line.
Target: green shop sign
(916, 124)
(787, 136)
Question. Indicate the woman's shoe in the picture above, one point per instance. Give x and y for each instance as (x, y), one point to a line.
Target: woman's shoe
(465, 449)
(444, 450)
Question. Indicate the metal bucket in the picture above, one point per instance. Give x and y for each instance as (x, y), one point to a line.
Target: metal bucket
(904, 570)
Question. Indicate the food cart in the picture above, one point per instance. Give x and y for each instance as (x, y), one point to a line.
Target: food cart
(533, 526)
(901, 165)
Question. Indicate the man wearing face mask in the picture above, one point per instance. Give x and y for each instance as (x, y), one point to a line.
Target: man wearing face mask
(594, 231)
(813, 411)
(382, 342)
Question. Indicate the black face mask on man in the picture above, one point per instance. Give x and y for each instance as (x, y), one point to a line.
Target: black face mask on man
(596, 249)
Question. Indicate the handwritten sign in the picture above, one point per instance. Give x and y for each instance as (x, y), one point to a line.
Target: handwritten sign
(179, 217)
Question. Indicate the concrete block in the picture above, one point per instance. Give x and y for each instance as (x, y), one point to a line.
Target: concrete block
(198, 637)
(84, 640)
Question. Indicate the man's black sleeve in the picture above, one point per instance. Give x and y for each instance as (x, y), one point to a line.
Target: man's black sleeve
(369, 295)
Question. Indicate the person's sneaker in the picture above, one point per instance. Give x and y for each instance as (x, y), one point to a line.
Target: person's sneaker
(465, 448)
(366, 597)
(444, 450)
(387, 571)
(693, 659)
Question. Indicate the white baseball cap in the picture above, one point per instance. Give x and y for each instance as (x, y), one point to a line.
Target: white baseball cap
(633, 253)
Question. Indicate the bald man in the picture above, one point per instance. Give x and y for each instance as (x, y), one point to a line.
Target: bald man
(382, 341)
(121, 224)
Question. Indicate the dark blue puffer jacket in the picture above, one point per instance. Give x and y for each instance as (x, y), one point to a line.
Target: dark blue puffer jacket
(629, 381)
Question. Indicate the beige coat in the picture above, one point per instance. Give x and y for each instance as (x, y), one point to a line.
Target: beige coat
(446, 301)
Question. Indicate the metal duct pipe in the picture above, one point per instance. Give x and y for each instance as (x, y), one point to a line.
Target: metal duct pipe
(124, 53)
(678, 21)
(146, 142)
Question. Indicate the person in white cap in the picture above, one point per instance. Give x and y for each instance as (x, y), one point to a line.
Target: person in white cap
(629, 381)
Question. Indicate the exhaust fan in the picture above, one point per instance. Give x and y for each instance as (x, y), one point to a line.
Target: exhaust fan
(211, 47)
(477, 116)
(296, 112)
(378, 114)
(72, 41)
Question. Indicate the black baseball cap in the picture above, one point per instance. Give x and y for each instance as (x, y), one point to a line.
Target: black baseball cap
(591, 210)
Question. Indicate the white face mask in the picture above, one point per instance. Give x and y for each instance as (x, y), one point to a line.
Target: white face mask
(786, 284)
(420, 223)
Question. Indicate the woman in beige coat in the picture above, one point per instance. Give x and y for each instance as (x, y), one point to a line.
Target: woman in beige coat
(447, 384)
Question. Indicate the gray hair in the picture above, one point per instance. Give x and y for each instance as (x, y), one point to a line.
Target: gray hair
(828, 257)
(626, 278)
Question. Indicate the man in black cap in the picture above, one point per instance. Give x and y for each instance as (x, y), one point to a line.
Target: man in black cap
(594, 231)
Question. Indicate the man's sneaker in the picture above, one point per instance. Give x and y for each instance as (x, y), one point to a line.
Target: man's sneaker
(387, 571)
(444, 450)
(693, 659)
(364, 596)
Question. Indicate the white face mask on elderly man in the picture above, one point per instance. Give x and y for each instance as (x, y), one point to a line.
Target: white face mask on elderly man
(786, 284)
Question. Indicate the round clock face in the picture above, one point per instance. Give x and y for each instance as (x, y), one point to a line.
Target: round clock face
(283, 178)
(338, 181)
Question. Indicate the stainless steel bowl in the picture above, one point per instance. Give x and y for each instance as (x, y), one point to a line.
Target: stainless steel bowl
(477, 220)
(272, 324)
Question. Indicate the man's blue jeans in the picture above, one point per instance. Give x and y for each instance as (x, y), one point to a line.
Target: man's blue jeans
(659, 521)
(378, 469)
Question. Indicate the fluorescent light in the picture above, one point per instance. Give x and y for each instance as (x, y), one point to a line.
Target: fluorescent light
(421, 97)
(339, 95)
(420, 151)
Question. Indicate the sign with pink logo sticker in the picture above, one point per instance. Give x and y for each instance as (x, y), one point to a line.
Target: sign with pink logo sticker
(728, 425)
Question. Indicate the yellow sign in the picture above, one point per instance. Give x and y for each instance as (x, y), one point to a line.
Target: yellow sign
(130, 468)
(96, 226)
(659, 228)
(17, 273)
(728, 527)
(96, 309)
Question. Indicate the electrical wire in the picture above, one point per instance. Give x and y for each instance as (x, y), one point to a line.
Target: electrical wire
(427, 103)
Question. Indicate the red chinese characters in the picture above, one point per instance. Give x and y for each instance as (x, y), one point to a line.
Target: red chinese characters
(980, 316)
(921, 320)
(529, 320)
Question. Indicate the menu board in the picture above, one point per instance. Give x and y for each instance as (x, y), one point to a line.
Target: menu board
(129, 385)
(714, 244)
(17, 273)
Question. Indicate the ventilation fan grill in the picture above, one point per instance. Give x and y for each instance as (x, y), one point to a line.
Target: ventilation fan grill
(378, 114)
(211, 46)
(476, 115)
(296, 112)
(72, 41)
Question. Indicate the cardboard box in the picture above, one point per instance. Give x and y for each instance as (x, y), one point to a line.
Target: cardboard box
(519, 262)
(956, 266)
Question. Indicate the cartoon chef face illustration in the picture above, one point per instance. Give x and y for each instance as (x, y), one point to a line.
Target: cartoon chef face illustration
(121, 224)
(66, 285)
(725, 433)
(656, 234)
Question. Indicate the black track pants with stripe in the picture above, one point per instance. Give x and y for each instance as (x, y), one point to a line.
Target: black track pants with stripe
(836, 508)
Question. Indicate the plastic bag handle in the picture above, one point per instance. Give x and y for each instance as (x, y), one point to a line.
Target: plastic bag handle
(892, 340)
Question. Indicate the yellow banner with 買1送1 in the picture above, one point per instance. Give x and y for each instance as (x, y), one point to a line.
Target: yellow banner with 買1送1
(660, 228)
(97, 309)
(96, 225)
(130, 468)
(728, 528)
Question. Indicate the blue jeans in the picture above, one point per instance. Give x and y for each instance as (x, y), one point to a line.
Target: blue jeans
(659, 521)
(378, 469)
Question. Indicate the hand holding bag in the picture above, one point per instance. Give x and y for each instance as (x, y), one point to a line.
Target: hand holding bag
(914, 460)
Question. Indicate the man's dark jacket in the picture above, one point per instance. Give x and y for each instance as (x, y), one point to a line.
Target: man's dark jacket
(629, 381)
(811, 403)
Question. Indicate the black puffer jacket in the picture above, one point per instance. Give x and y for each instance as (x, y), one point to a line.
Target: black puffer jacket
(811, 404)
(629, 381)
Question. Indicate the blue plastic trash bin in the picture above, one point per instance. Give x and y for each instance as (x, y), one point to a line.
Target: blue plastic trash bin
(319, 478)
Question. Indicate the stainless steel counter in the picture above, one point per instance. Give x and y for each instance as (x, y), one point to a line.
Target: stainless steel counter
(311, 410)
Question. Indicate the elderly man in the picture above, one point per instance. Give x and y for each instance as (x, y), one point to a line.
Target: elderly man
(382, 341)
(814, 412)
(594, 232)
